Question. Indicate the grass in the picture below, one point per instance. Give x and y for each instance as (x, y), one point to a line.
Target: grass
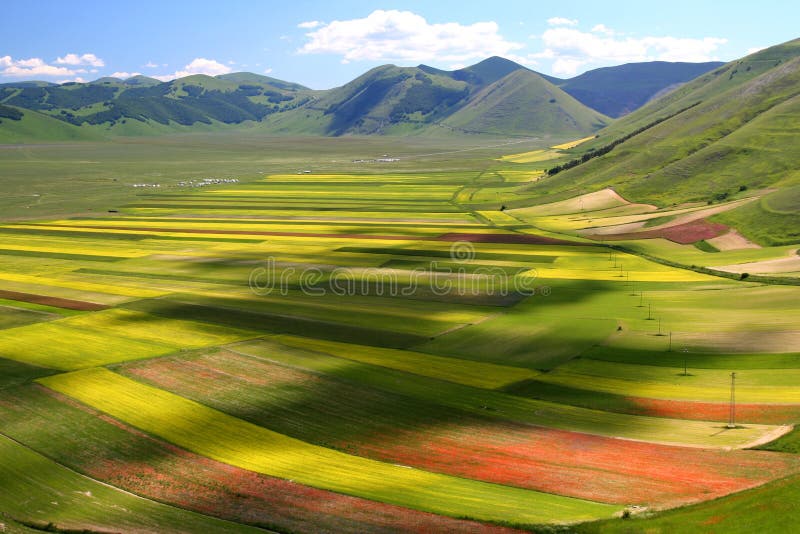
(753, 385)
(11, 317)
(231, 440)
(770, 508)
(495, 404)
(108, 337)
(464, 372)
(40, 492)
(763, 225)
(478, 392)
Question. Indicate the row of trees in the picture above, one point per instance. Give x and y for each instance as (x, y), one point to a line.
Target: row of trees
(605, 149)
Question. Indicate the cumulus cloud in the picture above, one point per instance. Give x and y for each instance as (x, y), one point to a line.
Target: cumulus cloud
(150, 65)
(561, 21)
(198, 65)
(22, 68)
(602, 28)
(406, 37)
(76, 79)
(85, 59)
(310, 24)
(572, 49)
(124, 75)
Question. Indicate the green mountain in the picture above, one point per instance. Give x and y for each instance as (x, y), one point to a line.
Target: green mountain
(107, 103)
(730, 133)
(141, 80)
(617, 91)
(522, 103)
(258, 79)
(495, 97)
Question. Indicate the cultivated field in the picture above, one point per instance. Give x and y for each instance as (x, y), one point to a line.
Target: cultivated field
(422, 345)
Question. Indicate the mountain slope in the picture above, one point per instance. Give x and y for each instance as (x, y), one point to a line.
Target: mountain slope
(494, 97)
(154, 105)
(522, 103)
(726, 134)
(617, 91)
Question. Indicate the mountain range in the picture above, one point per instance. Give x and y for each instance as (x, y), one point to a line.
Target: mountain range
(494, 97)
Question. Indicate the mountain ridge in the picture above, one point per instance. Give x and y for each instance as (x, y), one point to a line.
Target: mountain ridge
(387, 100)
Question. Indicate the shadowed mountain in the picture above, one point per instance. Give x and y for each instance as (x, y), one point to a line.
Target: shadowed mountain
(617, 91)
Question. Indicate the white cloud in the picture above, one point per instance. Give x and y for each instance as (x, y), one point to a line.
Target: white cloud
(407, 37)
(31, 67)
(124, 75)
(85, 59)
(198, 65)
(151, 65)
(561, 21)
(749, 50)
(602, 28)
(311, 24)
(267, 71)
(77, 79)
(572, 49)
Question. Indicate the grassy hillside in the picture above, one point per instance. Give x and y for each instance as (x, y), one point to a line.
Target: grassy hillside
(524, 102)
(41, 127)
(726, 134)
(143, 106)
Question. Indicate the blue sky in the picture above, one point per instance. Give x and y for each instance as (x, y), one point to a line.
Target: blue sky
(325, 44)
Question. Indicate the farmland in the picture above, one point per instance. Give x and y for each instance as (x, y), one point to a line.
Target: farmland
(418, 345)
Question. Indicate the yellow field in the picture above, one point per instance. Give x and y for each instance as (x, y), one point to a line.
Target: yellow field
(82, 286)
(531, 157)
(572, 144)
(499, 217)
(467, 372)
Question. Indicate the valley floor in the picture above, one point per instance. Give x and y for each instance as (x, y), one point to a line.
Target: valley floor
(389, 349)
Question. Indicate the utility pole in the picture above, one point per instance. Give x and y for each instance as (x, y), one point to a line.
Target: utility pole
(670, 341)
(659, 327)
(732, 415)
(641, 298)
(649, 311)
(685, 358)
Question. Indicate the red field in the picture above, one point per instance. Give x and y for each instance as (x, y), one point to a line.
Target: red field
(568, 463)
(769, 414)
(685, 233)
(56, 302)
(509, 239)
